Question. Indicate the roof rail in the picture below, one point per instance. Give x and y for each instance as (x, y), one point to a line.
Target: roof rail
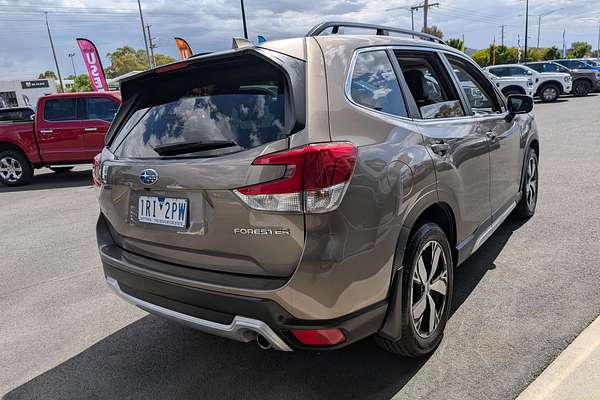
(380, 30)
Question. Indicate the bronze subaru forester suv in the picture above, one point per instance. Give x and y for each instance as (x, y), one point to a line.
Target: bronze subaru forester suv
(308, 193)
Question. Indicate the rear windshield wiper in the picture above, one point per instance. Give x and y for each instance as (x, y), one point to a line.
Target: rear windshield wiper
(191, 147)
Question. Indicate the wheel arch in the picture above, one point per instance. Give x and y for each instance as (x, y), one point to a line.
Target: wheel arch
(430, 209)
(11, 146)
(513, 87)
(555, 83)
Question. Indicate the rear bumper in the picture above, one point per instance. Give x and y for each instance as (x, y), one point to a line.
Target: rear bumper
(232, 316)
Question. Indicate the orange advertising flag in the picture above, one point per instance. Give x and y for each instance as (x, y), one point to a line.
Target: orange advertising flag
(184, 48)
(494, 56)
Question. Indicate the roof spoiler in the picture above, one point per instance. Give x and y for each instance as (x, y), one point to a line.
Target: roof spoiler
(380, 30)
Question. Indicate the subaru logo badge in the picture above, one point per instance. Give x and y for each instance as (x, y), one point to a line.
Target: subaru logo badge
(149, 177)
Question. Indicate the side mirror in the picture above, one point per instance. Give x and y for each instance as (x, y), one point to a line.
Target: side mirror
(518, 104)
(529, 73)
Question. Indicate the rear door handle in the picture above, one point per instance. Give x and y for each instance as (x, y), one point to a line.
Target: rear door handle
(491, 135)
(440, 148)
(45, 131)
(90, 129)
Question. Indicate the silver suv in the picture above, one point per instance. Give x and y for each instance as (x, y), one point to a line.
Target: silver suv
(308, 193)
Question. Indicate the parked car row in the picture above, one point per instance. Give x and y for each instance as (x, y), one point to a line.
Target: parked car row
(547, 79)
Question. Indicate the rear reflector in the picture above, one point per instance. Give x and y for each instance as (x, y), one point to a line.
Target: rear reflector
(319, 337)
(315, 179)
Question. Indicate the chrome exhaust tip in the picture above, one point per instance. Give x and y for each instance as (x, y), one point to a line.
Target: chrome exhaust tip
(262, 342)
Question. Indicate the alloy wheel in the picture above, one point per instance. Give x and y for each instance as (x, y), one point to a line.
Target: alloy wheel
(531, 188)
(10, 169)
(429, 289)
(549, 94)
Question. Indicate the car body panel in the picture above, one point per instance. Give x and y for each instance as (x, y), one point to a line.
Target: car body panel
(337, 263)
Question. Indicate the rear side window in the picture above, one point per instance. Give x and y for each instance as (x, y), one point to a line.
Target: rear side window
(374, 84)
(19, 115)
(500, 72)
(430, 85)
(539, 67)
(101, 108)
(60, 110)
(517, 71)
(244, 102)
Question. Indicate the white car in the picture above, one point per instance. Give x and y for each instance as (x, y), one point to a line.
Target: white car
(513, 84)
(547, 86)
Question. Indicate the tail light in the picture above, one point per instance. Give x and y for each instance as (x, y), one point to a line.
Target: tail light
(315, 179)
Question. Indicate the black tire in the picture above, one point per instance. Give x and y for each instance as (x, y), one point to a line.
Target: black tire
(61, 170)
(412, 343)
(20, 172)
(549, 93)
(527, 205)
(581, 88)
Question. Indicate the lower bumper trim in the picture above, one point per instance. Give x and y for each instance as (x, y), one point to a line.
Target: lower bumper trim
(242, 329)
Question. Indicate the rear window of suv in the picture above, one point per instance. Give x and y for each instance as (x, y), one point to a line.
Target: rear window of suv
(244, 101)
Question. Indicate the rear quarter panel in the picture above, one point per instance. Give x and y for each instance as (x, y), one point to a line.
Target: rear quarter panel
(21, 135)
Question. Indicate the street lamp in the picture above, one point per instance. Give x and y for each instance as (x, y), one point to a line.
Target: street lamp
(71, 55)
(244, 19)
(540, 22)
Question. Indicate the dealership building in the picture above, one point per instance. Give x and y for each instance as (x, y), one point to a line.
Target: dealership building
(24, 93)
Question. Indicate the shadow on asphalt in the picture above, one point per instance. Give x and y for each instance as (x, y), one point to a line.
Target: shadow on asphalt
(156, 359)
(51, 180)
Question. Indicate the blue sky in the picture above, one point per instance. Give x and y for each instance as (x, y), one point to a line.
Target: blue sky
(209, 25)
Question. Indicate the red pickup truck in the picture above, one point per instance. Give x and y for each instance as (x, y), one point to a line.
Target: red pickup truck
(67, 129)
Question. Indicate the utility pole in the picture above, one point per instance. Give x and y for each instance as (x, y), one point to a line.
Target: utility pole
(152, 47)
(412, 18)
(526, 28)
(244, 19)
(426, 6)
(144, 33)
(62, 88)
(502, 35)
(71, 55)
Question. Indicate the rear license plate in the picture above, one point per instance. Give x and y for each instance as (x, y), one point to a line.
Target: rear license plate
(163, 211)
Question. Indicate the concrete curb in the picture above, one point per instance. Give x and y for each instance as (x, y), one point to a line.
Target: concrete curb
(575, 374)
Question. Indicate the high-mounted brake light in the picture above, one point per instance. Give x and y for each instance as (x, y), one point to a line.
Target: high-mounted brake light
(315, 179)
(171, 67)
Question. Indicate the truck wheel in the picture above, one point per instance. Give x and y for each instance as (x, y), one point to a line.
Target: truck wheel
(61, 170)
(581, 88)
(426, 293)
(15, 169)
(549, 93)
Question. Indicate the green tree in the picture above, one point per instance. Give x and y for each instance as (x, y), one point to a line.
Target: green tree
(504, 54)
(580, 49)
(481, 57)
(536, 54)
(48, 75)
(552, 53)
(456, 43)
(434, 30)
(126, 59)
(82, 83)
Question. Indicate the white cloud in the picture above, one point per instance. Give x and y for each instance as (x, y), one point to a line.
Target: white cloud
(209, 25)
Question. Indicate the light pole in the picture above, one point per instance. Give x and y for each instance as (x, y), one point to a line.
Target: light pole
(144, 33)
(62, 88)
(71, 55)
(244, 19)
(526, 28)
(540, 23)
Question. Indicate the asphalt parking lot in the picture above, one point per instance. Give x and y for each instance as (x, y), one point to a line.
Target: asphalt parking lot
(519, 301)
